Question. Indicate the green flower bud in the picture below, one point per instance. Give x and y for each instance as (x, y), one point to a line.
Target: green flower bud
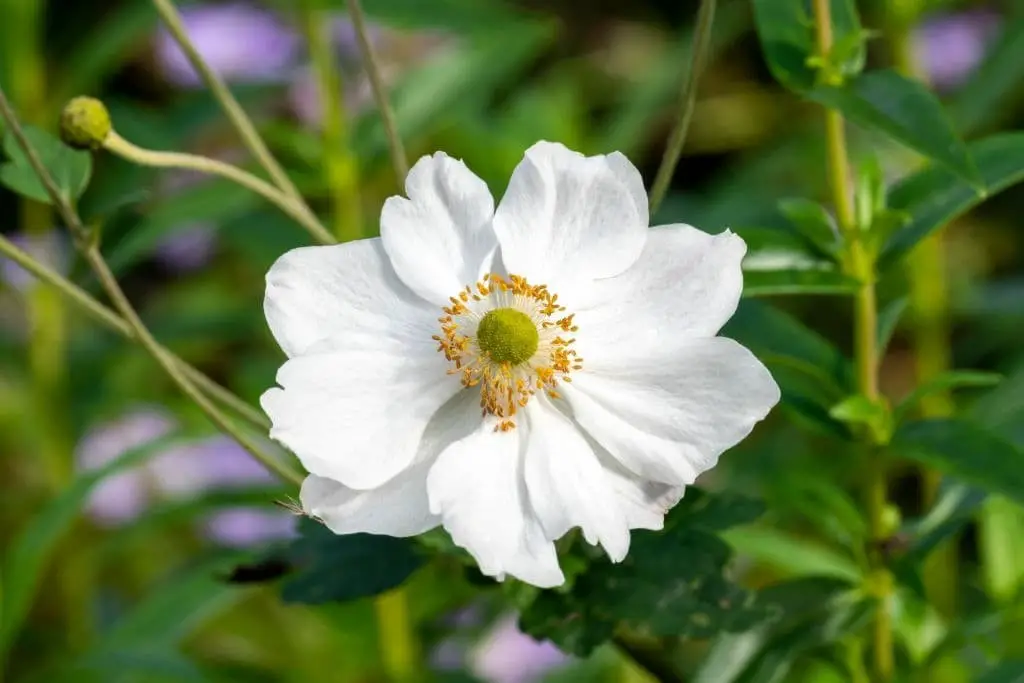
(85, 123)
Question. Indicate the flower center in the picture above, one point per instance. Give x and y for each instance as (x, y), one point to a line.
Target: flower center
(506, 336)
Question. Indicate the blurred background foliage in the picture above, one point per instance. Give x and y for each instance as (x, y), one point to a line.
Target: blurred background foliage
(135, 589)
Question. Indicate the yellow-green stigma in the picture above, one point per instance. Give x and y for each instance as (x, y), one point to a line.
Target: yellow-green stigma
(507, 336)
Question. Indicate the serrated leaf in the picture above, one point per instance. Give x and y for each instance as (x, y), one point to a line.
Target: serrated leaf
(906, 111)
(945, 381)
(935, 196)
(966, 451)
(333, 568)
(70, 169)
(670, 584)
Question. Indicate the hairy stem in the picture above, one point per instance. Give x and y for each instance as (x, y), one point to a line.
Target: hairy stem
(239, 119)
(297, 210)
(380, 94)
(90, 251)
(687, 102)
(866, 355)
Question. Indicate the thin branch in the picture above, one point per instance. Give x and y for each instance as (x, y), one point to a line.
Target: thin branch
(688, 99)
(380, 95)
(92, 255)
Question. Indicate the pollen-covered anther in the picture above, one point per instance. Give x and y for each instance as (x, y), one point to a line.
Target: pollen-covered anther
(508, 337)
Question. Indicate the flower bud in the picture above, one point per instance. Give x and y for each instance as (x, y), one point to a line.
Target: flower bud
(85, 123)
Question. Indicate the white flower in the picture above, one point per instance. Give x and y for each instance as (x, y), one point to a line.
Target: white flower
(512, 373)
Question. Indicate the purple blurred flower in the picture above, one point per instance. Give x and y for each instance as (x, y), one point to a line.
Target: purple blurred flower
(178, 472)
(949, 47)
(507, 655)
(50, 248)
(240, 42)
(187, 248)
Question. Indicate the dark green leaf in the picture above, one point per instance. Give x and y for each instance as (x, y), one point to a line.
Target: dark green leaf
(994, 83)
(70, 168)
(813, 222)
(956, 505)
(964, 450)
(935, 196)
(888, 320)
(1006, 672)
(758, 283)
(952, 379)
(332, 568)
(906, 111)
(24, 561)
(786, 30)
(671, 584)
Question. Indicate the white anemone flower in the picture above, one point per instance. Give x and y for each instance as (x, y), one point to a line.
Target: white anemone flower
(512, 373)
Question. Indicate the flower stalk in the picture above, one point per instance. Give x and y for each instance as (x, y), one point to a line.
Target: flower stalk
(89, 248)
(688, 100)
(861, 266)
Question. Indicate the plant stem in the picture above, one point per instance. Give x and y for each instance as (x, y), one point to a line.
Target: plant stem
(687, 102)
(112, 320)
(341, 169)
(90, 250)
(930, 334)
(297, 210)
(239, 119)
(866, 355)
(380, 94)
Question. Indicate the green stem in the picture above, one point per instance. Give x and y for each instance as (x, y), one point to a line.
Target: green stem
(112, 320)
(90, 250)
(688, 100)
(239, 119)
(341, 170)
(297, 210)
(861, 266)
(380, 93)
(399, 645)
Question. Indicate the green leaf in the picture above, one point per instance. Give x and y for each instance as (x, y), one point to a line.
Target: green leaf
(954, 508)
(813, 222)
(934, 196)
(951, 379)
(888, 320)
(906, 111)
(1005, 672)
(860, 410)
(71, 169)
(995, 83)
(791, 555)
(787, 282)
(964, 450)
(869, 192)
(334, 568)
(781, 261)
(786, 30)
(670, 584)
(24, 561)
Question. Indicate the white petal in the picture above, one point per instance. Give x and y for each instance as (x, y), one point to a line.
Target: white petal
(644, 503)
(686, 283)
(627, 173)
(566, 483)
(440, 238)
(358, 416)
(669, 415)
(477, 488)
(400, 506)
(569, 217)
(348, 292)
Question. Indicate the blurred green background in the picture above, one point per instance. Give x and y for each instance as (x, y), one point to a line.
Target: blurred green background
(130, 588)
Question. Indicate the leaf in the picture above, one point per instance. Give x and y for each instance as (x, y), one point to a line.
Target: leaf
(786, 31)
(813, 222)
(934, 196)
(792, 556)
(995, 83)
(332, 568)
(788, 282)
(906, 111)
(25, 560)
(1005, 672)
(954, 508)
(964, 450)
(951, 379)
(71, 169)
(888, 320)
(670, 584)
(862, 411)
